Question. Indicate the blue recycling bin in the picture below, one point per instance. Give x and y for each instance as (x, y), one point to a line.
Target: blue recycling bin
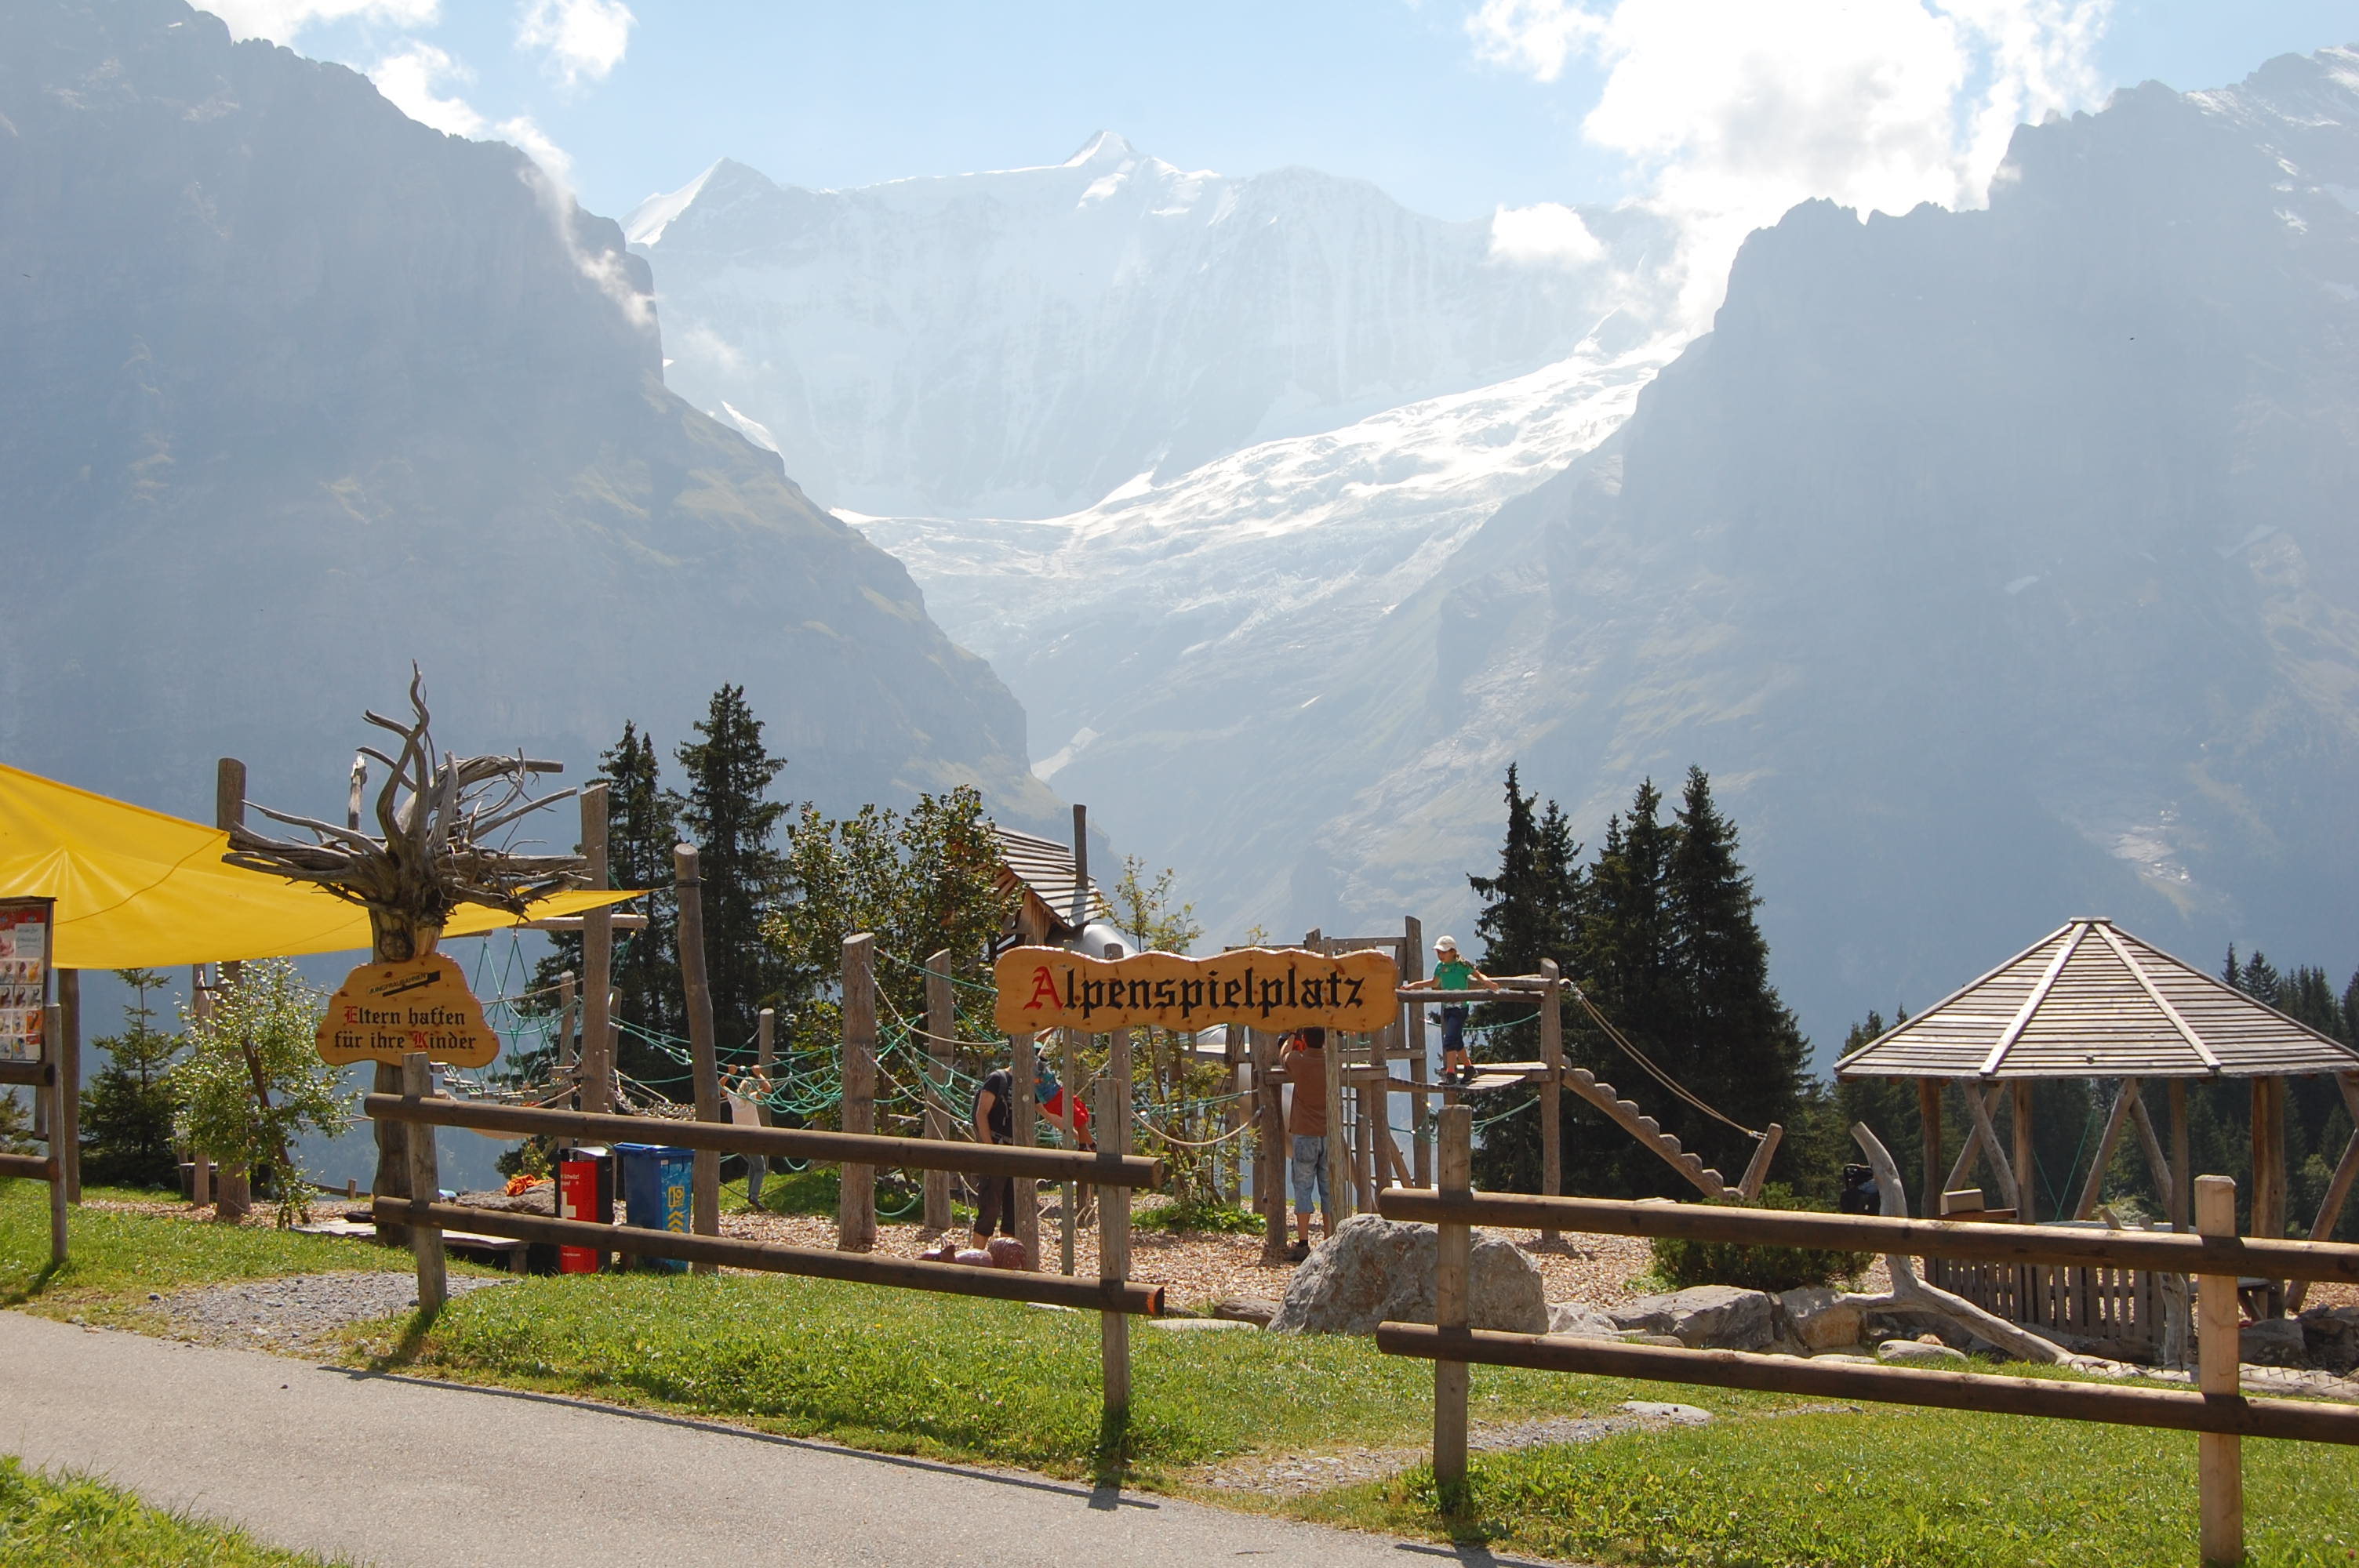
(656, 1179)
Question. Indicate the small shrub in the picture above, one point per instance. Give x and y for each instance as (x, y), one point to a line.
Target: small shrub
(1684, 1263)
(1186, 1215)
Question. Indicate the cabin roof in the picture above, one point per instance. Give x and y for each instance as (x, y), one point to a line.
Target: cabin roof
(1044, 869)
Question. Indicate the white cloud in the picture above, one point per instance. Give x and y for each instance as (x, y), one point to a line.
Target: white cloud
(411, 82)
(280, 20)
(1549, 234)
(554, 160)
(580, 39)
(1732, 111)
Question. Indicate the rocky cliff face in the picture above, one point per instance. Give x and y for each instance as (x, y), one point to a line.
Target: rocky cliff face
(1022, 342)
(297, 390)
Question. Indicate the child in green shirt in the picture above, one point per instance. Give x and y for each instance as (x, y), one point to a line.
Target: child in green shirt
(1452, 973)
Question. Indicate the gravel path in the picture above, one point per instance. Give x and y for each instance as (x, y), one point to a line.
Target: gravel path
(297, 1315)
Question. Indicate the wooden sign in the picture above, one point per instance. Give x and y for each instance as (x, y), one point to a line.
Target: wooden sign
(384, 1010)
(1048, 988)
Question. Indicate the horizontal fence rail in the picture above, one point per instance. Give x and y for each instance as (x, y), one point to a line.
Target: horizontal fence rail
(2181, 1254)
(905, 1273)
(1889, 1385)
(1105, 1169)
(31, 1074)
(40, 1167)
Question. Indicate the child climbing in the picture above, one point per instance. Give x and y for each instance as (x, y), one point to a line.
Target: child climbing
(1452, 973)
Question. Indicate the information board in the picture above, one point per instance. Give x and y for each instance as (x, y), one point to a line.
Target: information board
(25, 927)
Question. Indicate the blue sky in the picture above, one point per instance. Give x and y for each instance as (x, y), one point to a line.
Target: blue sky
(1456, 107)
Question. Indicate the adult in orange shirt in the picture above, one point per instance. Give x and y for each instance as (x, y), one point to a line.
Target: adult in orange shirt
(1305, 1060)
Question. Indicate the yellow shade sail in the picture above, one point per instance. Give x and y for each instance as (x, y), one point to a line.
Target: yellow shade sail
(136, 889)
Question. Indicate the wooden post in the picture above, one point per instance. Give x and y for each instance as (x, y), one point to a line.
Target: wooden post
(1078, 917)
(2115, 1119)
(1454, 1251)
(855, 1203)
(766, 1042)
(2268, 1200)
(1421, 1104)
(1069, 1193)
(1272, 1148)
(425, 1185)
(2026, 1162)
(233, 1190)
(597, 964)
(941, 1025)
(704, 1189)
(1929, 1123)
(2182, 1208)
(67, 1145)
(1232, 1110)
(1339, 1149)
(1551, 1091)
(568, 1040)
(2219, 1455)
(53, 1027)
(1027, 1125)
(1113, 1221)
(200, 1165)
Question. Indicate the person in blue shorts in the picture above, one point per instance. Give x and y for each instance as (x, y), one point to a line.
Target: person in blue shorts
(1452, 973)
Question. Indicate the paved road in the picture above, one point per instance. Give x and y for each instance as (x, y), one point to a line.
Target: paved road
(395, 1471)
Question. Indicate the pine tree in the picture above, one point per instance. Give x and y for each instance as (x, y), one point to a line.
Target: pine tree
(126, 1112)
(642, 825)
(733, 823)
(1531, 909)
(1742, 1051)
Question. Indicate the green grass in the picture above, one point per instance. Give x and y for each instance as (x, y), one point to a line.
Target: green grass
(953, 1377)
(70, 1522)
(113, 1260)
(1877, 1488)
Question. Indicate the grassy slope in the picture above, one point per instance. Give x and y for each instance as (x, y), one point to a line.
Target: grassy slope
(1878, 1487)
(76, 1523)
(1771, 1484)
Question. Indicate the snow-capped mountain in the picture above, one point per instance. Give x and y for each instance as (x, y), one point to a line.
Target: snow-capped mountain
(1999, 564)
(1025, 341)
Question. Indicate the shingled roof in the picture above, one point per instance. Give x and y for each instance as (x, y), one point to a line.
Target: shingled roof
(2090, 1000)
(1044, 869)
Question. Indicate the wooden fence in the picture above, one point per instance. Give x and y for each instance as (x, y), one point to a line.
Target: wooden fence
(1115, 1174)
(2215, 1256)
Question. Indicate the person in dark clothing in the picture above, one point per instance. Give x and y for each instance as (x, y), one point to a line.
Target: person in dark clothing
(994, 1122)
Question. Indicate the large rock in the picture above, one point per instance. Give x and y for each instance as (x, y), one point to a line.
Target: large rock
(1706, 1317)
(1820, 1318)
(2274, 1342)
(1374, 1269)
(1921, 1353)
(1256, 1310)
(2330, 1338)
(1578, 1320)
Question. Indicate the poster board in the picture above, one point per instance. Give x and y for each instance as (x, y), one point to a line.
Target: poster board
(383, 1011)
(26, 927)
(1266, 987)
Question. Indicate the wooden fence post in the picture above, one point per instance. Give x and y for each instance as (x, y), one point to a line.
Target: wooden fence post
(2219, 1473)
(1069, 1193)
(1551, 1092)
(2026, 1164)
(1421, 1104)
(568, 1040)
(1338, 1148)
(51, 1030)
(1928, 1122)
(705, 1186)
(1271, 1145)
(1114, 1241)
(1026, 1126)
(597, 1058)
(200, 1167)
(941, 1027)
(425, 1187)
(855, 1203)
(67, 1146)
(1452, 1253)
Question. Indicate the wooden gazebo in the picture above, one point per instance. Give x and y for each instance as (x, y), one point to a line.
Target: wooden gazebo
(2090, 1000)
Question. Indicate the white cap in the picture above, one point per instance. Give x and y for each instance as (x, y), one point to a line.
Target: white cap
(1445, 944)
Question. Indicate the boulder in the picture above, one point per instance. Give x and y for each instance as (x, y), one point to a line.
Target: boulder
(1578, 1320)
(2274, 1342)
(1706, 1317)
(1007, 1252)
(1656, 1409)
(1255, 1310)
(1374, 1269)
(1917, 1353)
(1820, 1319)
(2330, 1337)
(540, 1199)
